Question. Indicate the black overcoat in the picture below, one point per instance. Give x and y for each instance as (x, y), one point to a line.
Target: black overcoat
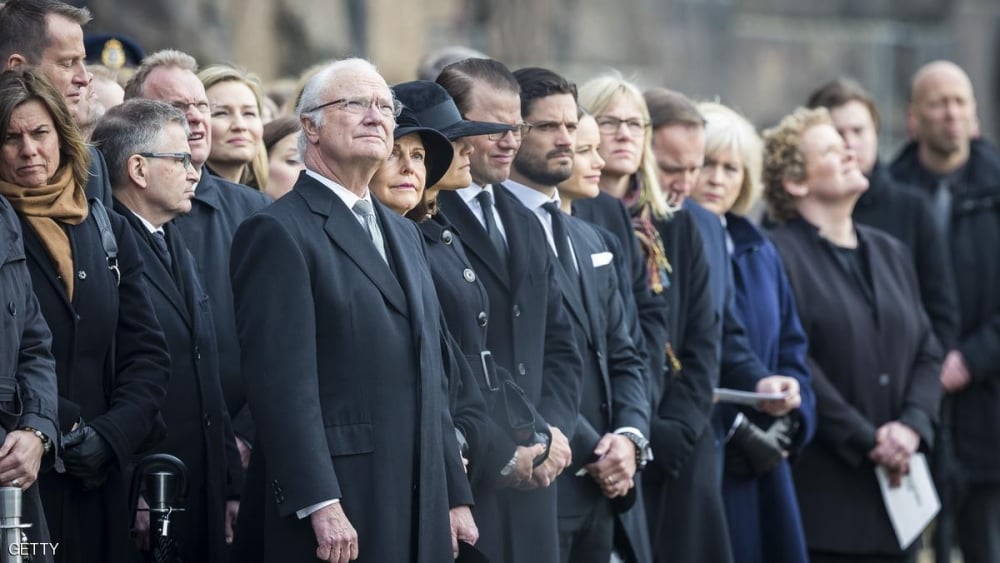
(344, 371)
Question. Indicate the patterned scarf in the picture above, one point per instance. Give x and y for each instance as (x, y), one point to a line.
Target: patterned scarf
(657, 265)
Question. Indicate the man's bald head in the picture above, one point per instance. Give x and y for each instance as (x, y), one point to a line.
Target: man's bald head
(942, 115)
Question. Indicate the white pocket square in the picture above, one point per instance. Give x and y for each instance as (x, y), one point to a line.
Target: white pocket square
(602, 259)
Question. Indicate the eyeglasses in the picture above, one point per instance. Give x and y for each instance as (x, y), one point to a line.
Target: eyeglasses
(201, 106)
(519, 130)
(184, 157)
(609, 125)
(360, 106)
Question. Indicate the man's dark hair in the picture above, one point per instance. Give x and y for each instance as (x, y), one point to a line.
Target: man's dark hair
(538, 83)
(458, 79)
(131, 128)
(667, 107)
(842, 91)
(24, 31)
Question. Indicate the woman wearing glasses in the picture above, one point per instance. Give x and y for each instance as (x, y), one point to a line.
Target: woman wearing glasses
(111, 360)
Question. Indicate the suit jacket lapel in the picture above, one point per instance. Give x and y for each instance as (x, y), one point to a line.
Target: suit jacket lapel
(408, 268)
(571, 294)
(344, 230)
(154, 270)
(474, 237)
(588, 279)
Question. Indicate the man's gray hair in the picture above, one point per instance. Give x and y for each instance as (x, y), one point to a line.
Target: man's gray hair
(131, 128)
(315, 88)
(165, 58)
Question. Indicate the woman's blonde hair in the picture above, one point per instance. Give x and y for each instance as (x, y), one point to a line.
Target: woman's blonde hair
(255, 172)
(596, 96)
(726, 131)
(785, 160)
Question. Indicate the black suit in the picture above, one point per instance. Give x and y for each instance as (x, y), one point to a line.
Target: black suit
(614, 392)
(198, 428)
(871, 363)
(348, 393)
(26, 362)
(218, 208)
(530, 336)
(113, 369)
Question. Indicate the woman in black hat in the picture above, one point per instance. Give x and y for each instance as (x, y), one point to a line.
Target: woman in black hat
(466, 307)
(420, 157)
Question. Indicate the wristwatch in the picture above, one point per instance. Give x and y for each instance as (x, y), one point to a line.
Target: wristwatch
(511, 465)
(643, 453)
(46, 443)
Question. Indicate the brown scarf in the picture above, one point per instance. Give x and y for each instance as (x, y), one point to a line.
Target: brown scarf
(47, 208)
(658, 267)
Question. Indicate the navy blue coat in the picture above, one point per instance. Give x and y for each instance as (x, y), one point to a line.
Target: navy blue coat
(763, 513)
(218, 208)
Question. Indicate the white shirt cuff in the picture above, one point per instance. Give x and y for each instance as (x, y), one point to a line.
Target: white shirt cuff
(310, 509)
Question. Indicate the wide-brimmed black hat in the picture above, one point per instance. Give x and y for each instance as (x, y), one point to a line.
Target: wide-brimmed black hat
(438, 148)
(434, 107)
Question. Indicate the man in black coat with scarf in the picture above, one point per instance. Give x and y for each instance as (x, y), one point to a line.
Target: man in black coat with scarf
(146, 144)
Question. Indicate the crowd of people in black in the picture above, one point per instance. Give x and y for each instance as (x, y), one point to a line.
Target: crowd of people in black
(484, 315)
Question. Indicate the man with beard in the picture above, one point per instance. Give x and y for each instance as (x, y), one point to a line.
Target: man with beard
(609, 444)
(961, 176)
(529, 331)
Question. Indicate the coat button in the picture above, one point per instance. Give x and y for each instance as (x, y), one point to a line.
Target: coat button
(604, 407)
(521, 369)
(517, 311)
(481, 317)
(470, 276)
(447, 237)
(82, 274)
(197, 353)
(883, 379)
(12, 309)
(208, 420)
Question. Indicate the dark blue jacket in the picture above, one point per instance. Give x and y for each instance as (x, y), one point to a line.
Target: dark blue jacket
(763, 514)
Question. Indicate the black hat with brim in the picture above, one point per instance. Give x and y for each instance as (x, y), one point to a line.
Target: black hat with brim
(434, 107)
(438, 148)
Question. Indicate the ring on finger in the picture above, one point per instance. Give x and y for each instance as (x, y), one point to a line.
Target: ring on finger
(15, 482)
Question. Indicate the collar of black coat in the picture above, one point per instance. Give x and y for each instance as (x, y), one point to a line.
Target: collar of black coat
(746, 237)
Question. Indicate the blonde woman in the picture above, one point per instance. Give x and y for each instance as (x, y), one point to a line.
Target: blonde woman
(236, 104)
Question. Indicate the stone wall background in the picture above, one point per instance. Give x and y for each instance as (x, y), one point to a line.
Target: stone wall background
(761, 56)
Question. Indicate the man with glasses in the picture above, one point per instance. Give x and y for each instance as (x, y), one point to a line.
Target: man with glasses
(153, 179)
(342, 345)
(218, 207)
(528, 330)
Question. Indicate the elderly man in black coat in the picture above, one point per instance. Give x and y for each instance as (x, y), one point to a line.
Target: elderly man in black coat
(145, 142)
(961, 176)
(217, 209)
(340, 331)
(29, 372)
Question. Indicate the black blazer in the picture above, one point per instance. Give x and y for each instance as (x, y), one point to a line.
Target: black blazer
(869, 366)
(218, 208)
(347, 394)
(113, 369)
(530, 335)
(648, 315)
(198, 428)
(614, 392)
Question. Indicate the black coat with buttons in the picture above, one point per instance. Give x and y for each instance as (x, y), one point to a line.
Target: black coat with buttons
(199, 431)
(530, 335)
(112, 370)
(870, 365)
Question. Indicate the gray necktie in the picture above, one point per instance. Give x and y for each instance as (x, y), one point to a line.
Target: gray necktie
(942, 206)
(365, 211)
(160, 245)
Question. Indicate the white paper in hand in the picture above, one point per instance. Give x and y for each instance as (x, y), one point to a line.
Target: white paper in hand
(913, 504)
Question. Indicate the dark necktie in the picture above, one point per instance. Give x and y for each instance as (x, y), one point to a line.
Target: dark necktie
(366, 212)
(560, 237)
(160, 245)
(492, 229)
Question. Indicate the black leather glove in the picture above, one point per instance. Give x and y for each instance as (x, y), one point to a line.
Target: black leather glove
(86, 455)
(752, 451)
